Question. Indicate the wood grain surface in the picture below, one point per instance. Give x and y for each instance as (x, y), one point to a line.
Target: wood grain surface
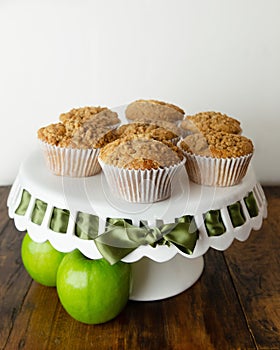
(234, 305)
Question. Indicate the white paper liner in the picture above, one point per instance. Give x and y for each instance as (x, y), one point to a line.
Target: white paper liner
(175, 140)
(219, 172)
(71, 162)
(140, 186)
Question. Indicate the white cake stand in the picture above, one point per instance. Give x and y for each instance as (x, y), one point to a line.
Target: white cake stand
(159, 272)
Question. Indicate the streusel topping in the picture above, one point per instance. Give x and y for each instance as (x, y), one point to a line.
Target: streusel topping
(139, 152)
(83, 128)
(211, 121)
(53, 134)
(150, 130)
(155, 110)
(196, 144)
(162, 123)
(218, 145)
(76, 117)
(162, 103)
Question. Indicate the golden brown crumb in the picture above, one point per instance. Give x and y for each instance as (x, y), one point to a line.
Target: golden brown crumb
(162, 123)
(196, 144)
(150, 130)
(78, 116)
(211, 121)
(153, 110)
(170, 105)
(87, 127)
(91, 138)
(223, 145)
(124, 151)
(52, 134)
(218, 145)
(143, 164)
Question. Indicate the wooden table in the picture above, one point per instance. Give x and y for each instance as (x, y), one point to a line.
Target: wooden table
(234, 305)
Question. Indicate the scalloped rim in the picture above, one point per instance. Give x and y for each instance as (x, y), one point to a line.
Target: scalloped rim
(68, 242)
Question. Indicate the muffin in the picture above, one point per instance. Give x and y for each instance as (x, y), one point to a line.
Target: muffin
(153, 131)
(217, 158)
(162, 123)
(154, 110)
(71, 146)
(210, 121)
(140, 169)
(101, 116)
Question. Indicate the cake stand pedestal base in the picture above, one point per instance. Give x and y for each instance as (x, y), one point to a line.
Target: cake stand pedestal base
(155, 281)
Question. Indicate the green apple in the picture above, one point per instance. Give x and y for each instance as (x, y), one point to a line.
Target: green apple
(92, 291)
(40, 260)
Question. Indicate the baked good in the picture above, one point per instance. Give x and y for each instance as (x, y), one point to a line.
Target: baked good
(154, 110)
(101, 116)
(218, 145)
(84, 137)
(217, 158)
(149, 130)
(140, 169)
(210, 121)
(123, 151)
(162, 123)
(71, 146)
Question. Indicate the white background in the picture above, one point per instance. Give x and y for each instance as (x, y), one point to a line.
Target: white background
(221, 55)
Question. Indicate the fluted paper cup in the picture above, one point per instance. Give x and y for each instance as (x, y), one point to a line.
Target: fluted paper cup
(72, 162)
(140, 186)
(219, 172)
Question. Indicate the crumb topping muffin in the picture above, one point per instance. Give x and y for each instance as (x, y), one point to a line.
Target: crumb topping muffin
(82, 128)
(149, 130)
(78, 116)
(162, 123)
(83, 138)
(217, 158)
(53, 134)
(141, 152)
(211, 121)
(140, 169)
(217, 145)
(162, 103)
(155, 110)
(71, 146)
